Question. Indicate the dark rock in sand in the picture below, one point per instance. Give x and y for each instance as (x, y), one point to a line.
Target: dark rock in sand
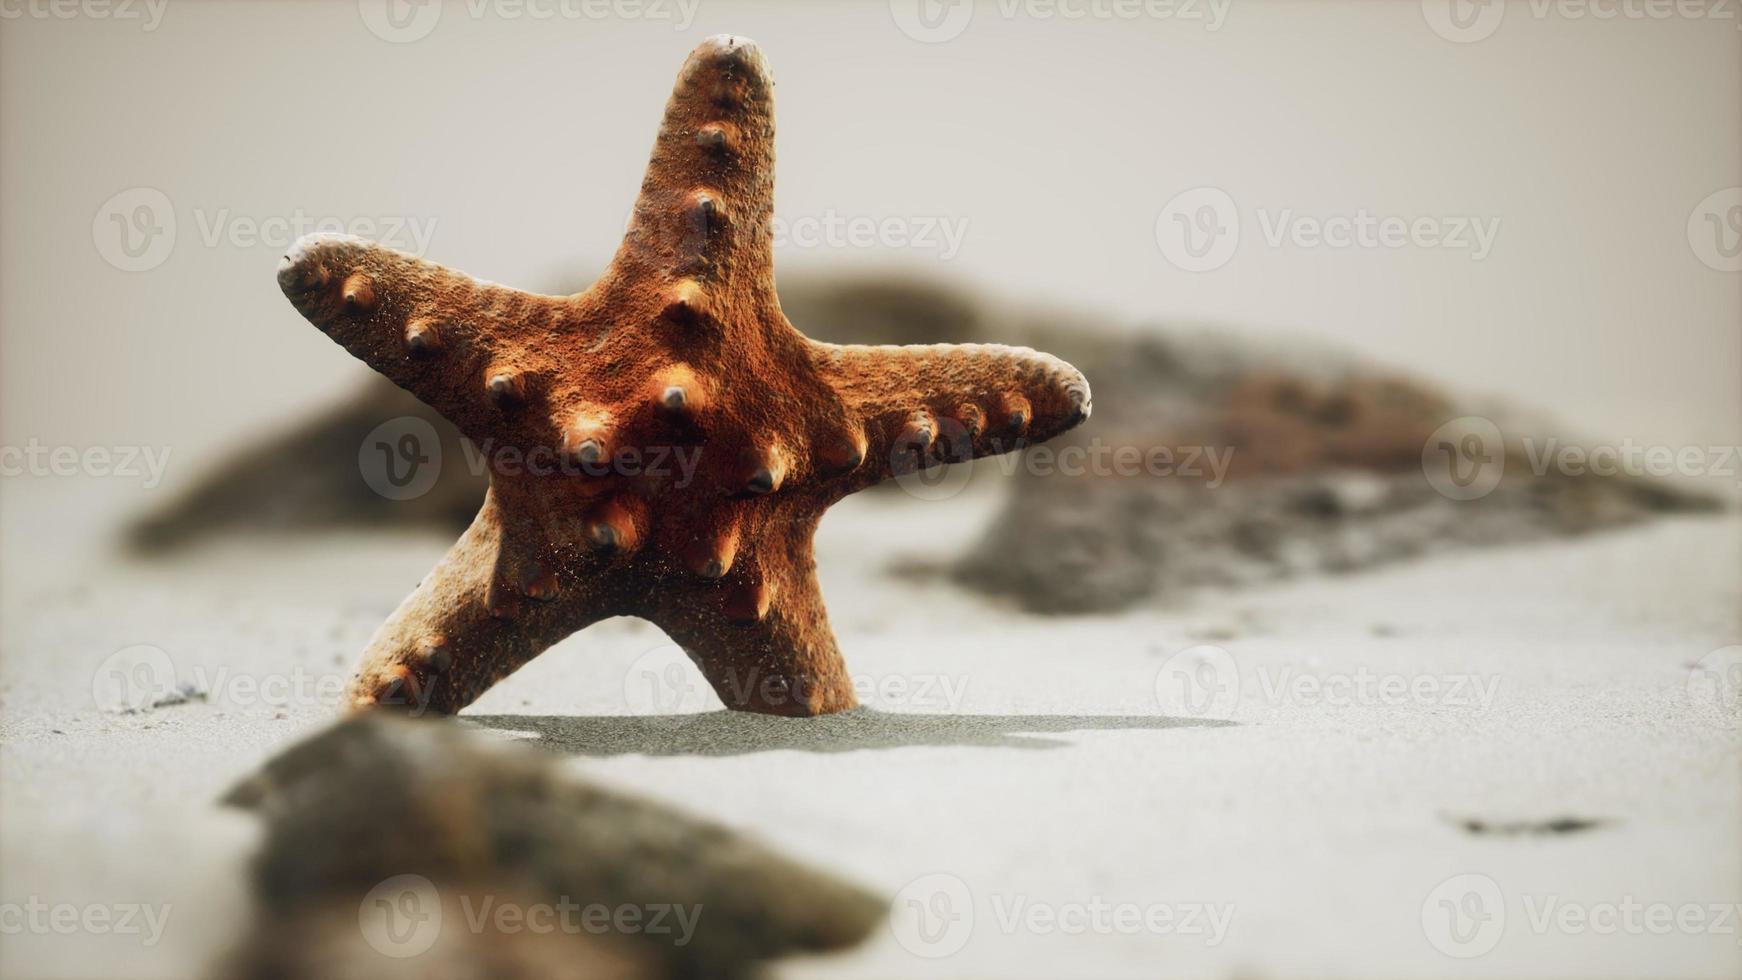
(1267, 464)
(308, 477)
(486, 826)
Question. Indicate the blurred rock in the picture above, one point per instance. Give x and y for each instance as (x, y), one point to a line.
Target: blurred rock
(1277, 463)
(308, 477)
(396, 847)
(882, 309)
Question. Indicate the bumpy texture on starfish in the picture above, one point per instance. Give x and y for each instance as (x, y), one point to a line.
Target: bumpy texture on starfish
(663, 444)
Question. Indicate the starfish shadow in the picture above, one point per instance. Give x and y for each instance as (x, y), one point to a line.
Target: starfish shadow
(725, 733)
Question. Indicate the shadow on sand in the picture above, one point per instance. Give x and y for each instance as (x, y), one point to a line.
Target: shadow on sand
(721, 733)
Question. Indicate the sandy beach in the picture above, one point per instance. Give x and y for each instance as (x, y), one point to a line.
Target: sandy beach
(1044, 775)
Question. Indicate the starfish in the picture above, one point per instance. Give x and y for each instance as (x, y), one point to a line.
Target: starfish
(663, 444)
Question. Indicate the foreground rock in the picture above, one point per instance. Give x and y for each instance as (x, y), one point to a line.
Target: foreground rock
(413, 848)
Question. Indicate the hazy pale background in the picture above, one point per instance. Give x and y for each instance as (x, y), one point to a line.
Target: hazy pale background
(1057, 141)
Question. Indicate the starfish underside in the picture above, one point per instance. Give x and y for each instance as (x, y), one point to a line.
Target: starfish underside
(585, 405)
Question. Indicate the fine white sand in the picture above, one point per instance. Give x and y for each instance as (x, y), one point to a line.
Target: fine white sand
(1052, 805)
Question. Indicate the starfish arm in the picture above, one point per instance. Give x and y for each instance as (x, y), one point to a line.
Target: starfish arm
(458, 343)
(760, 634)
(487, 608)
(909, 407)
(701, 224)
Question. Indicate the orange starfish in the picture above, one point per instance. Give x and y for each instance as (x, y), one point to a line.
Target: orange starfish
(663, 444)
